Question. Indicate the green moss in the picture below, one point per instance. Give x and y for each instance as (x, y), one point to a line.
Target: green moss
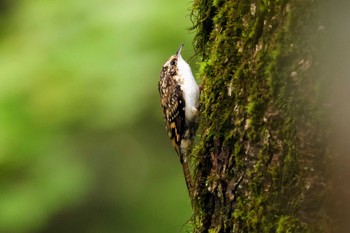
(214, 230)
(250, 111)
(290, 224)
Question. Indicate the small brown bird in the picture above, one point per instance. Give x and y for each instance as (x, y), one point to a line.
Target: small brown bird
(179, 95)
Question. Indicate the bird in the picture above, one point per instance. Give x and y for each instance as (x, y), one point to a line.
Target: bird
(179, 94)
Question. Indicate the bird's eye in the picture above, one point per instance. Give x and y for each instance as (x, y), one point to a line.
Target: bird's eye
(173, 62)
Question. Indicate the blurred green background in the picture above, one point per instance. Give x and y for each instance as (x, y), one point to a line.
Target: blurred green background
(82, 142)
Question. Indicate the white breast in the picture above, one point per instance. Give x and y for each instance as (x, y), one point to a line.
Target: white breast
(189, 87)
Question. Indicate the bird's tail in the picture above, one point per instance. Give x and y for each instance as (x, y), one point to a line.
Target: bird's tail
(188, 177)
(186, 147)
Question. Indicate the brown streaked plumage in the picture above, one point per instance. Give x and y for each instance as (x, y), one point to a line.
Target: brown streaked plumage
(179, 99)
(173, 106)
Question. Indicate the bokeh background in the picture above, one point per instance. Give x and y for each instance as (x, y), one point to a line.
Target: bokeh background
(82, 142)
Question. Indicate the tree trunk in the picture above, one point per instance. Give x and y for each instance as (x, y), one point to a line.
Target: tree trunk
(260, 164)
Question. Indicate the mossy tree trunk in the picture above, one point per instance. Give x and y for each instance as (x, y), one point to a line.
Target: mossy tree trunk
(260, 161)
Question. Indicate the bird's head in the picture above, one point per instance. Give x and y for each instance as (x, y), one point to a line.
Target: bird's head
(171, 66)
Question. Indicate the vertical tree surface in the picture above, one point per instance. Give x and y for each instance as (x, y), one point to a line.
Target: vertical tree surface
(259, 165)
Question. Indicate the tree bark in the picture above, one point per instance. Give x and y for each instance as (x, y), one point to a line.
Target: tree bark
(260, 163)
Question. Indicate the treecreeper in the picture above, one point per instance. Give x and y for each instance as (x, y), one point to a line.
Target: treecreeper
(179, 95)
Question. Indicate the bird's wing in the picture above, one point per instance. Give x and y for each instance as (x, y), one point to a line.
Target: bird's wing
(173, 108)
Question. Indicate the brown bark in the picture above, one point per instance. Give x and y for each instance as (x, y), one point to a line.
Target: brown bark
(260, 165)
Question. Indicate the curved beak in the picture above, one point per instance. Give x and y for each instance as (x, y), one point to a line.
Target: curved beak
(178, 52)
